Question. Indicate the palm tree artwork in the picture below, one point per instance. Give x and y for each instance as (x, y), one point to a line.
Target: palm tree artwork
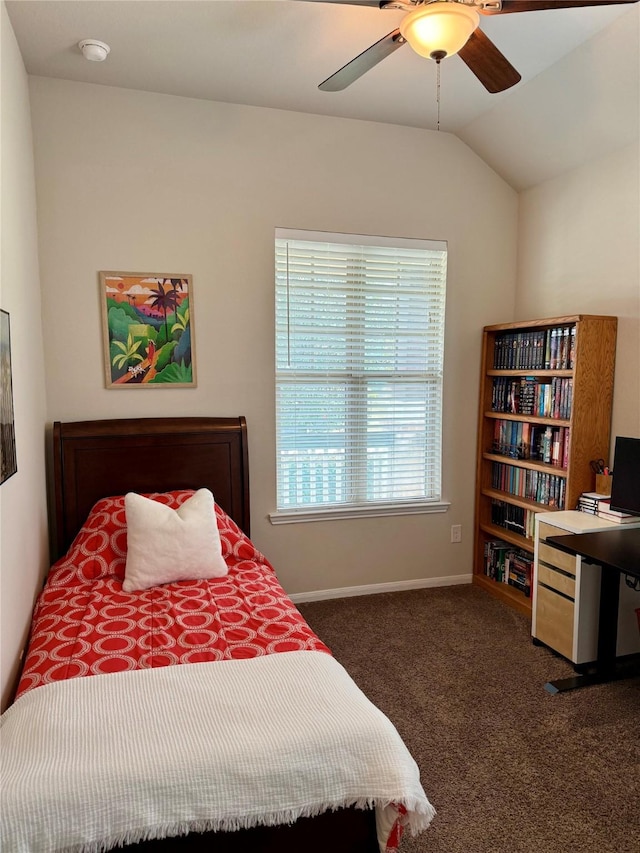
(165, 300)
(148, 333)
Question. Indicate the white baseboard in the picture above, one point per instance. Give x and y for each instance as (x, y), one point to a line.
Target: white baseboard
(373, 588)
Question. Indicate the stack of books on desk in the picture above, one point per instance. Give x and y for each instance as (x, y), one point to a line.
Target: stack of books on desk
(588, 502)
(605, 511)
(600, 505)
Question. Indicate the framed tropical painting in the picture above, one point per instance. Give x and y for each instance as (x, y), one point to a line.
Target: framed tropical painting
(8, 461)
(148, 330)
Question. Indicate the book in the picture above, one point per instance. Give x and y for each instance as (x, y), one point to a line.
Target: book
(518, 570)
(566, 345)
(572, 347)
(588, 502)
(495, 554)
(604, 505)
(565, 449)
(617, 519)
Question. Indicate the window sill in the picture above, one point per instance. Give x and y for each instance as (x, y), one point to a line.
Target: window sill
(344, 512)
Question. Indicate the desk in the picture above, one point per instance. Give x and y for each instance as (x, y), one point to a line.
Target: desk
(617, 552)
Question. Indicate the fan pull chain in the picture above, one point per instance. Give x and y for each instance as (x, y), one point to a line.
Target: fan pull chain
(438, 94)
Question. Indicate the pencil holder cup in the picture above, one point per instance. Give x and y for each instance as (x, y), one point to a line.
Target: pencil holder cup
(603, 484)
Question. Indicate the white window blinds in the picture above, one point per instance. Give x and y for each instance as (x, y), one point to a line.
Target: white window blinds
(359, 355)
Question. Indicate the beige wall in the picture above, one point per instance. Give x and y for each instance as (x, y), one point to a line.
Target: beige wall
(23, 532)
(579, 252)
(143, 182)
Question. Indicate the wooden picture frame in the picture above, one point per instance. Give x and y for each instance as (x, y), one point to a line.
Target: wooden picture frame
(147, 330)
(8, 459)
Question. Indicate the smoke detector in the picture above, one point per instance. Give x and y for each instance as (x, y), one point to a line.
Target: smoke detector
(94, 50)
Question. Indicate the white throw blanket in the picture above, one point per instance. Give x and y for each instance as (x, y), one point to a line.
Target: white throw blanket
(94, 762)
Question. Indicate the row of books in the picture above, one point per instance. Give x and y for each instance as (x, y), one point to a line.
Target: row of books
(544, 349)
(526, 396)
(521, 440)
(600, 505)
(506, 564)
(538, 486)
(514, 518)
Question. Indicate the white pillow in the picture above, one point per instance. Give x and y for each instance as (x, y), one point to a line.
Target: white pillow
(165, 545)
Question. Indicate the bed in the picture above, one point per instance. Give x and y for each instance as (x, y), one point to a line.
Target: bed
(191, 713)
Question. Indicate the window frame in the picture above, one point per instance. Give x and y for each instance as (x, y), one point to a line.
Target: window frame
(364, 509)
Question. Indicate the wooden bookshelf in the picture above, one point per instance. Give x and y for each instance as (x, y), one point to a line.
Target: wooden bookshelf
(574, 373)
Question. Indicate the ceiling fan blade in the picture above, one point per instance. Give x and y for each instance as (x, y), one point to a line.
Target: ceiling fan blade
(538, 5)
(378, 3)
(492, 69)
(362, 63)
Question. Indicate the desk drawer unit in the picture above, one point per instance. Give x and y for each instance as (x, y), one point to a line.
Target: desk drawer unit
(565, 605)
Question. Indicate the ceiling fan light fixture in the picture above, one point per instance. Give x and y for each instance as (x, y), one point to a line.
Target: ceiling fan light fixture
(439, 29)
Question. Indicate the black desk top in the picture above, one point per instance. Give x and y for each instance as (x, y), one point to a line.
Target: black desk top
(619, 549)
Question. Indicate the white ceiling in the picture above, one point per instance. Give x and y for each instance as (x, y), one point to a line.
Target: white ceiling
(274, 53)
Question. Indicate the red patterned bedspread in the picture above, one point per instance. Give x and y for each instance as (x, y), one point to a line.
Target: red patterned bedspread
(84, 624)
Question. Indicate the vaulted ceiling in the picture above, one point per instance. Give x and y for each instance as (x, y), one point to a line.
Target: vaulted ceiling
(274, 53)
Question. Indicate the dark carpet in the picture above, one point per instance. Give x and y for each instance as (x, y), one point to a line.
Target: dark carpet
(508, 767)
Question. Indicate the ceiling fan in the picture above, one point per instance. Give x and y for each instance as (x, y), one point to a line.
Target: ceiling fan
(441, 28)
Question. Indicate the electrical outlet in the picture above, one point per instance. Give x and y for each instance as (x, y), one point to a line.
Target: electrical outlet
(456, 533)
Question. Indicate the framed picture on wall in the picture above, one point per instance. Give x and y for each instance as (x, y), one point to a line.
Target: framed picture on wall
(147, 330)
(8, 460)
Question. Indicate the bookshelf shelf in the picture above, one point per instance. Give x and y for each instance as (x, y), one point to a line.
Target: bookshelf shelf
(515, 500)
(506, 593)
(530, 465)
(509, 536)
(562, 369)
(534, 373)
(531, 419)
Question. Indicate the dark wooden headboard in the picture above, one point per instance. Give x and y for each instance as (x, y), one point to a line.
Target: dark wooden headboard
(97, 459)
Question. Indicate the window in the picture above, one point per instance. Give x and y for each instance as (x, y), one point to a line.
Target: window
(359, 353)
